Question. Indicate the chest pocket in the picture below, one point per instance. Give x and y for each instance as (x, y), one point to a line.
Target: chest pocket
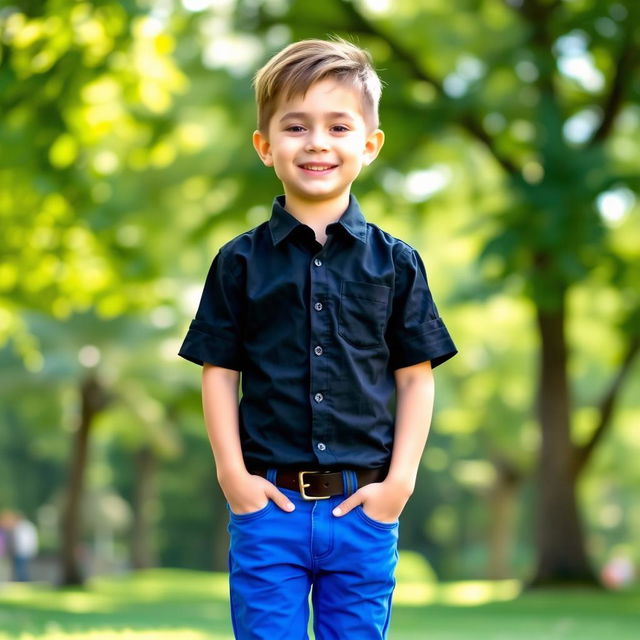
(363, 312)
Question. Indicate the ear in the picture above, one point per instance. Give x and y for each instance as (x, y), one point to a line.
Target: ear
(372, 146)
(262, 147)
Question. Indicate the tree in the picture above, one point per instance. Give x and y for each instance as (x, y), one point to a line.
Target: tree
(83, 83)
(514, 93)
(126, 138)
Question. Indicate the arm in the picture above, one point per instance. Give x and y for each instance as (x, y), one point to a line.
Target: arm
(415, 393)
(243, 491)
(220, 407)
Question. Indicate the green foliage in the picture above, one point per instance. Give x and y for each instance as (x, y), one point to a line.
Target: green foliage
(126, 162)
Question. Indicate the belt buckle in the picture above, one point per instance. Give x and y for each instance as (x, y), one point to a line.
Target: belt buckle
(304, 485)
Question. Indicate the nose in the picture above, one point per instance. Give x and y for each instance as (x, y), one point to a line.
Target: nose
(316, 141)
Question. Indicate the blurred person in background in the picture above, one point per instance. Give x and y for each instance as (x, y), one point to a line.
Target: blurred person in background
(20, 538)
(619, 571)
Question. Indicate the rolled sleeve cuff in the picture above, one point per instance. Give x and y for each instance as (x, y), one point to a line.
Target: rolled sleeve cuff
(431, 342)
(201, 344)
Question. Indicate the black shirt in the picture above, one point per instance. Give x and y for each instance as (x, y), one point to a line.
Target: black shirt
(317, 332)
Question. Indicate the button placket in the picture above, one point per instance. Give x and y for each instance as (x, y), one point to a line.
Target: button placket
(318, 374)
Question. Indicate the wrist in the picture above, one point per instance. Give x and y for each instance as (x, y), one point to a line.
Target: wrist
(401, 483)
(229, 475)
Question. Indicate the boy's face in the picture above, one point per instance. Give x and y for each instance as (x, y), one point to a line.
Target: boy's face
(318, 144)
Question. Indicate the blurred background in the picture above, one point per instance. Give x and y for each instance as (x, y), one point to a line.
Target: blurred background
(511, 162)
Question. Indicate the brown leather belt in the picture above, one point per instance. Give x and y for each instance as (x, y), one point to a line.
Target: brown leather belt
(317, 485)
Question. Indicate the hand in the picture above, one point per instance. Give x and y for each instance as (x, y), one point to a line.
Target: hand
(384, 501)
(246, 493)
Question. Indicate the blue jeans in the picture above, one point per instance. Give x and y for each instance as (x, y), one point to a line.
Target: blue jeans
(275, 557)
(21, 568)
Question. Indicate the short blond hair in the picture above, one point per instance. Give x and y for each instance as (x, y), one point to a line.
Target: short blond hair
(293, 70)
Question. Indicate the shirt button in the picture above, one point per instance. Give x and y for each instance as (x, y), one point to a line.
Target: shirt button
(317, 262)
(318, 397)
(318, 350)
(317, 306)
(322, 446)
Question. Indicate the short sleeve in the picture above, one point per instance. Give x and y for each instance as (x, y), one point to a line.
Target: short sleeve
(215, 334)
(415, 332)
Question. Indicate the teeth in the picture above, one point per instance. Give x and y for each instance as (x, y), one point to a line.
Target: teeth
(314, 168)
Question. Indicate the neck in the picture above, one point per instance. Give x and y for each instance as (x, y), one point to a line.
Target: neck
(318, 213)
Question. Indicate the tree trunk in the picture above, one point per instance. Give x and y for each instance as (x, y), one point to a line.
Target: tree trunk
(92, 400)
(561, 556)
(502, 506)
(143, 555)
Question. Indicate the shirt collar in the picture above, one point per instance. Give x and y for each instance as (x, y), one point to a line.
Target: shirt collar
(282, 222)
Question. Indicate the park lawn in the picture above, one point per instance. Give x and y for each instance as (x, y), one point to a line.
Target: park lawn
(172, 604)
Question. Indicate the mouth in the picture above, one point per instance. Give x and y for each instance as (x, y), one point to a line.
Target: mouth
(317, 168)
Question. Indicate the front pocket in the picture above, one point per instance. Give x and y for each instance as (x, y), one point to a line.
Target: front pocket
(252, 514)
(376, 523)
(363, 312)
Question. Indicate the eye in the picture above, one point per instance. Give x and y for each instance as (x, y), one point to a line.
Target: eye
(340, 128)
(296, 128)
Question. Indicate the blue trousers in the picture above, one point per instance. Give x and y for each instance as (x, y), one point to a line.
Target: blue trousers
(277, 557)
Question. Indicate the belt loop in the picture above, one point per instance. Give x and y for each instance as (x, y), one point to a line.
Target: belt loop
(354, 477)
(346, 483)
(271, 475)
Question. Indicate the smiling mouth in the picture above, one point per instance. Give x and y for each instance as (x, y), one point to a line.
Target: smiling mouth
(318, 168)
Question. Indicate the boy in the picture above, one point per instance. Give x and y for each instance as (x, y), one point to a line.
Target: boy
(327, 317)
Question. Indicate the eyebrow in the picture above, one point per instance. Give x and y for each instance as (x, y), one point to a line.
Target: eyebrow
(293, 115)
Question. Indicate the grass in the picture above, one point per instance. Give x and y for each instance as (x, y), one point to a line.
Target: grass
(170, 604)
